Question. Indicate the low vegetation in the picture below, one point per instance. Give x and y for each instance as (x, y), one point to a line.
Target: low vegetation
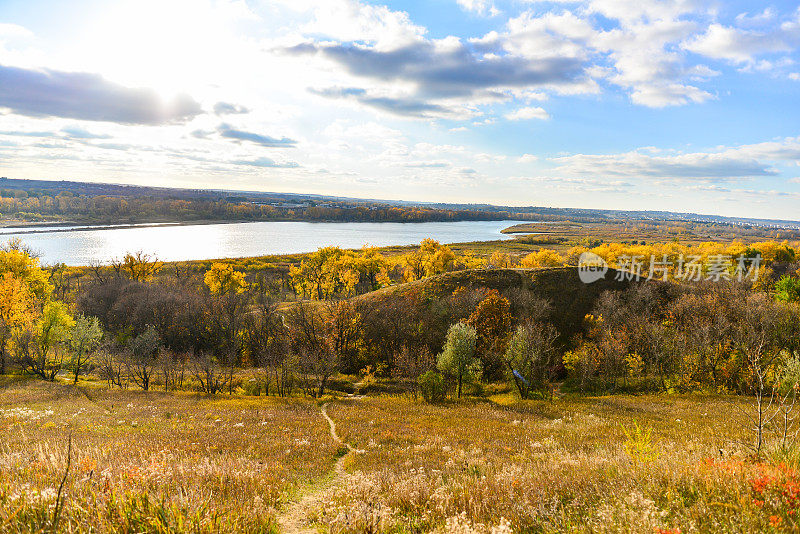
(503, 393)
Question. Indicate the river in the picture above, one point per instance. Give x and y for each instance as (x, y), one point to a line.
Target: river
(87, 245)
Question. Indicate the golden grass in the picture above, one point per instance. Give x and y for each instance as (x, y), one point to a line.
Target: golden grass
(158, 462)
(536, 466)
(153, 462)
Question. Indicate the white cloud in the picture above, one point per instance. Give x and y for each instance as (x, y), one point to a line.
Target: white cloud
(659, 95)
(527, 114)
(481, 7)
(725, 164)
(527, 158)
(740, 46)
(13, 31)
(351, 20)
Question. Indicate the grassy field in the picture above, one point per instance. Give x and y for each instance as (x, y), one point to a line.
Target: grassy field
(141, 460)
(185, 463)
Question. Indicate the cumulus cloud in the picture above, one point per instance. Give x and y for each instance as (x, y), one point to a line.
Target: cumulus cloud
(480, 7)
(229, 132)
(738, 45)
(76, 95)
(528, 113)
(639, 46)
(226, 108)
(446, 70)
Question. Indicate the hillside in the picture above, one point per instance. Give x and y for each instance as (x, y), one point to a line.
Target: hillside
(571, 299)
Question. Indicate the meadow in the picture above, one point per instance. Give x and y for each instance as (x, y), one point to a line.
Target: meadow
(152, 462)
(181, 462)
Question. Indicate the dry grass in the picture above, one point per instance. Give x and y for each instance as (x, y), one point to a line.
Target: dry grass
(548, 467)
(160, 462)
(153, 462)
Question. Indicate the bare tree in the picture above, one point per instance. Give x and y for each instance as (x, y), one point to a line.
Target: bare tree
(409, 366)
(112, 369)
(209, 373)
(755, 339)
(142, 357)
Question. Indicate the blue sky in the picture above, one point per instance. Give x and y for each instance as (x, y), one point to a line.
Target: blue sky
(684, 105)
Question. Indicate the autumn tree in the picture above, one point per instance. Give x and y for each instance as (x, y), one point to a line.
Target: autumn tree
(223, 279)
(316, 360)
(16, 310)
(458, 357)
(344, 330)
(40, 347)
(137, 266)
(492, 322)
(227, 287)
(24, 290)
(429, 259)
(501, 260)
(542, 258)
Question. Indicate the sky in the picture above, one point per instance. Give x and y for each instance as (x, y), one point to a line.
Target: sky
(678, 105)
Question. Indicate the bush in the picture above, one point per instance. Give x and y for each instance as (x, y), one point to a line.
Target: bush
(433, 387)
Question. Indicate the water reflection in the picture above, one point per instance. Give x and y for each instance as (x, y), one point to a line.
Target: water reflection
(192, 242)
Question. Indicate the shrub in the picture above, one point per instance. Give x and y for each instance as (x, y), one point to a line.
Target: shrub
(433, 387)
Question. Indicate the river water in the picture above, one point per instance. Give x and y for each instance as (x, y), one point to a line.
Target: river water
(86, 245)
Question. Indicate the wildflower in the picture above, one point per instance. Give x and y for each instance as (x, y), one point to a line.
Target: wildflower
(774, 521)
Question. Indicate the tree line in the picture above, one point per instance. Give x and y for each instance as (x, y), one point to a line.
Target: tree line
(137, 324)
(20, 205)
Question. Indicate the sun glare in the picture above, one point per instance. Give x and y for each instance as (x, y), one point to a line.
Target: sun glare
(172, 46)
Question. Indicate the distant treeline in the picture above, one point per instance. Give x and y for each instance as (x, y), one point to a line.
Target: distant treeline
(20, 205)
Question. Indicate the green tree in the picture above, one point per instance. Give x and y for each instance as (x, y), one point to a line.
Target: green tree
(531, 356)
(40, 348)
(83, 340)
(458, 357)
(787, 289)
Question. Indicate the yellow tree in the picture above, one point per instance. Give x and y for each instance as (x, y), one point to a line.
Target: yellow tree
(40, 349)
(227, 285)
(16, 310)
(330, 271)
(139, 267)
(223, 279)
(501, 260)
(429, 259)
(542, 258)
(492, 321)
(24, 289)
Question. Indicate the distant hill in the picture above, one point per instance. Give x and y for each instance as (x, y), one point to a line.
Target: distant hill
(305, 200)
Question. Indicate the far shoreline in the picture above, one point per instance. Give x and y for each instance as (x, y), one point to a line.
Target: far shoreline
(30, 228)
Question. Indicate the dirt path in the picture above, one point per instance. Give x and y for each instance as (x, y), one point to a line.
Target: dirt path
(293, 519)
